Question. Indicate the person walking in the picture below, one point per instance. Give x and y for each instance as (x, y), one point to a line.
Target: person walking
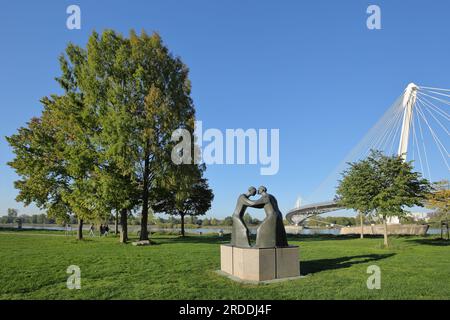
(91, 231)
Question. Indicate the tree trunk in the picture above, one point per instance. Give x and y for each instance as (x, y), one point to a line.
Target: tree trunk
(362, 225)
(116, 224)
(124, 224)
(80, 229)
(182, 224)
(386, 244)
(145, 195)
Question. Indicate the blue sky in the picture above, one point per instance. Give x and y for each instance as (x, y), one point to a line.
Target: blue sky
(309, 68)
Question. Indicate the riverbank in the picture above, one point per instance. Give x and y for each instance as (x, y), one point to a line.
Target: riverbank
(133, 229)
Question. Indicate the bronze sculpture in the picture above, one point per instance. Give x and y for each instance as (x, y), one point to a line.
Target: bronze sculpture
(239, 234)
(271, 233)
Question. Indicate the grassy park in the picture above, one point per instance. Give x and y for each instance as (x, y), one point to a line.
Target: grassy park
(33, 266)
(112, 127)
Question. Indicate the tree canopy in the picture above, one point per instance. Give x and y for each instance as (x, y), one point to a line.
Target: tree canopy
(105, 143)
(383, 185)
(183, 192)
(439, 199)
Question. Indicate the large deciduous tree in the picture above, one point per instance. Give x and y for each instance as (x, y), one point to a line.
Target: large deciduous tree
(55, 156)
(142, 95)
(105, 143)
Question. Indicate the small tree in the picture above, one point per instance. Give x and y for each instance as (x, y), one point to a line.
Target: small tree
(184, 193)
(248, 218)
(439, 199)
(228, 221)
(12, 215)
(390, 184)
(256, 221)
(399, 187)
(357, 189)
(206, 222)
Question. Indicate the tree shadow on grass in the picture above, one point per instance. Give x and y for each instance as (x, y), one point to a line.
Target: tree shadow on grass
(314, 266)
(205, 239)
(432, 242)
(226, 238)
(325, 237)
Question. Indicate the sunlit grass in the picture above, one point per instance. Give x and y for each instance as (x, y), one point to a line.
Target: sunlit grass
(34, 267)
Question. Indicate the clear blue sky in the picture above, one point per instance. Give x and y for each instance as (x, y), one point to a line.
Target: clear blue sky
(310, 68)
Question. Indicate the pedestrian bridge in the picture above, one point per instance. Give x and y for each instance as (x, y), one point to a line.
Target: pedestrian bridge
(298, 215)
(418, 119)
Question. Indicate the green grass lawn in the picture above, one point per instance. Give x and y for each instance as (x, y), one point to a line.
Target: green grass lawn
(34, 267)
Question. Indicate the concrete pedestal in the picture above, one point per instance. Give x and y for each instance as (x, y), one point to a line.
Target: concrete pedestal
(259, 264)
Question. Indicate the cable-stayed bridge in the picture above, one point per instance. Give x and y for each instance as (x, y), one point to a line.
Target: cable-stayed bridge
(415, 127)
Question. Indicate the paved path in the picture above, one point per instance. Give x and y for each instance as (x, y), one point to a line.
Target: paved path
(33, 234)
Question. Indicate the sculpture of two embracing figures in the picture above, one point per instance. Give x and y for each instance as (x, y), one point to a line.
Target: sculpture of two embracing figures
(270, 233)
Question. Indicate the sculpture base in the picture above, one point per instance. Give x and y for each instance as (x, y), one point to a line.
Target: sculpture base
(260, 264)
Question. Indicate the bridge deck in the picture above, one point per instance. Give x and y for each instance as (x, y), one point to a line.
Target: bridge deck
(304, 212)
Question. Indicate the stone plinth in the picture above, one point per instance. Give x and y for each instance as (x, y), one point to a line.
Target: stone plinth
(259, 264)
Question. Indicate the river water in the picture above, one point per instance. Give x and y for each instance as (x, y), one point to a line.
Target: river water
(133, 229)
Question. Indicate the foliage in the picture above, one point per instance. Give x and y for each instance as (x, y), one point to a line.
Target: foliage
(183, 192)
(358, 187)
(228, 221)
(142, 94)
(55, 155)
(324, 221)
(11, 216)
(249, 220)
(383, 185)
(105, 142)
(439, 200)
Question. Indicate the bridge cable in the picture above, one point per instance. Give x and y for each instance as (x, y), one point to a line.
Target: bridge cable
(435, 98)
(391, 150)
(431, 130)
(437, 120)
(382, 134)
(423, 144)
(439, 93)
(434, 107)
(370, 136)
(440, 89)
(392, 135)
(436, 139)
(382, 143)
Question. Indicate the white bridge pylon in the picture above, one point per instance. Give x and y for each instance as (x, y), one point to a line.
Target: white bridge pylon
(406, 122)
(408, 102)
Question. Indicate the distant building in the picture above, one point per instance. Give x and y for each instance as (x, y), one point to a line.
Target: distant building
(393, 220)
(417, 216)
